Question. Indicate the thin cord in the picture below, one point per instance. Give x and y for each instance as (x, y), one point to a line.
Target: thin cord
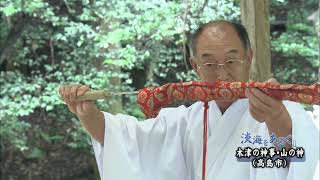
(205, 128)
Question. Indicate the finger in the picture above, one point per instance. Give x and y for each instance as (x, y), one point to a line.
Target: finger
(258, 103)
(72, 107)
(255, 115)
(65, 90)
(82, 90)
(88, 106)
(61, 93)
(79, 108)
(60, 90)
(73, 92)
(256, 109)
(265, 99)
(273, 80)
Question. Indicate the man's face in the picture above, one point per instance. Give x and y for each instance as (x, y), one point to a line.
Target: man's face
(220, 44)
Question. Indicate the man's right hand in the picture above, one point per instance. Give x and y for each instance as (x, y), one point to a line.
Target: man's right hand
(90, 116)
(80, 108)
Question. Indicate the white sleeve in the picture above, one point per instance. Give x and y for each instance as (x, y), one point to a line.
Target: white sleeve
(146, 149)
(304, 134)
(98, 152)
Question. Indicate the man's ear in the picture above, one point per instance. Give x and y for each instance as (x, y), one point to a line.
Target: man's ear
(193, 63)
(249, 56)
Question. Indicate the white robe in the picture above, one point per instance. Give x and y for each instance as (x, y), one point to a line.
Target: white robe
(169, 147)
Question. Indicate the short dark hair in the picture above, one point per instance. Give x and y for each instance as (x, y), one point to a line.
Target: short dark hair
(239, 28)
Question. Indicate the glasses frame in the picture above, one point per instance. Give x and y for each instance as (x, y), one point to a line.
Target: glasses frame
(216, 65)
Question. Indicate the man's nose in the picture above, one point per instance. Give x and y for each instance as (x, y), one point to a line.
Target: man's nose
(222, 74)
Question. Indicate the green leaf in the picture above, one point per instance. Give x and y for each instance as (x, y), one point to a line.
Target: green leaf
(9, 10)
(36, 153)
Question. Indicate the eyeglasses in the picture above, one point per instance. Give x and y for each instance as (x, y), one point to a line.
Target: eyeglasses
(229, 65)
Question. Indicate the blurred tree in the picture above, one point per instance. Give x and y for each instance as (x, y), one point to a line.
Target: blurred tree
(295, 53)
(255, 17)
(44, 44)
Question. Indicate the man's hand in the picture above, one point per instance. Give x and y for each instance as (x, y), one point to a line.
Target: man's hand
(90, 116)
(81, 108)
(266, 109)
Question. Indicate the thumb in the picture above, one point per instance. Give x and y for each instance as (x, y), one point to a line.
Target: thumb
(273, 80)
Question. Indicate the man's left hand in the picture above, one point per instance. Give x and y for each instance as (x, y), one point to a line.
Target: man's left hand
(272, 111)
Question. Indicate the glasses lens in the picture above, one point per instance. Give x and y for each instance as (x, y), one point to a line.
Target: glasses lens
(233, 65)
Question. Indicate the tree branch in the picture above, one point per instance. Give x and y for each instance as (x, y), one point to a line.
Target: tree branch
(6, 47)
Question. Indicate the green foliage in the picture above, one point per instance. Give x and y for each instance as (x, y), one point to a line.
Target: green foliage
(36, 153)
(51, 43)
(14, 131)
(296, 51)
(141, 43)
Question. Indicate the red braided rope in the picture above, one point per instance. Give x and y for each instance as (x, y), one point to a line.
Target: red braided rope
(152, 99)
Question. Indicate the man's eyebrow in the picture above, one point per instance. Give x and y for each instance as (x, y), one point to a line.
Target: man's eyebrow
(233, 51)
(205, 55)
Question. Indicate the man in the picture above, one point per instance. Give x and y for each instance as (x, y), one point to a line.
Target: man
(170, 145)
